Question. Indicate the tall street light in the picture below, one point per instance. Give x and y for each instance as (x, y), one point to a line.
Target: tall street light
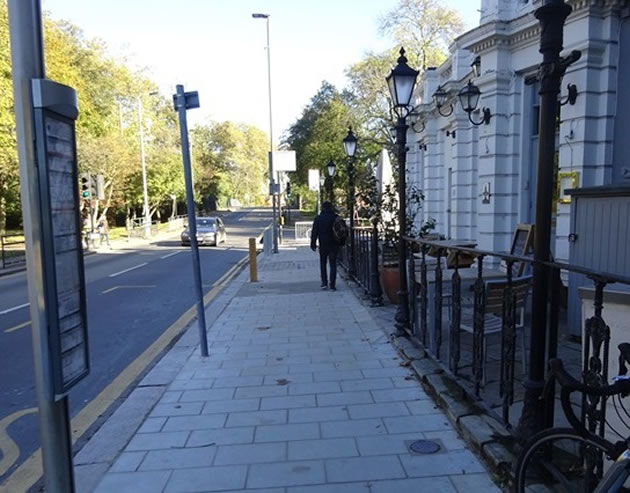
(147, 212)
(401, 82)
(271, 177)
(350, 146)
(331, 167)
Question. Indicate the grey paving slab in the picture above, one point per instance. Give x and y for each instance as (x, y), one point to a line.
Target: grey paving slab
(322, 449)
(286, 474)
(288, 402)
(206, 395)
(251, 453)
(359, 427)
(225, 436)
(265, 391)
(155, 441)
(364, 469)
(228, 406)
(386, 444)
(313, 388)
(406, 394)
(128, 461)
(206, 479)
(380, 410)
(339, 398)
(321, 414)
(152, 425)
(465, 483)
(428, 422)
(202, 422)
(458, 462)
(133, 482)
(257, 418)
(179, 458)
(367, 384)
(287, 432)
(433, 485)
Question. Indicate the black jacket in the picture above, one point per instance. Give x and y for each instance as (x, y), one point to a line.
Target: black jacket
(323, 230)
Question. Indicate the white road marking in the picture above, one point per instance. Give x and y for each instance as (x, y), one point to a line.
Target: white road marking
(171, 254)
(129, 269)
(9, 310)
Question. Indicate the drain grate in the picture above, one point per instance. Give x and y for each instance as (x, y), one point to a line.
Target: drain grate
(424, 447)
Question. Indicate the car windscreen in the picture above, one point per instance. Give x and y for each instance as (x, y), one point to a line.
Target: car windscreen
(206, 223)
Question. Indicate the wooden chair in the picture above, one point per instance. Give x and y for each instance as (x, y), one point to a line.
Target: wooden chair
(493, 313)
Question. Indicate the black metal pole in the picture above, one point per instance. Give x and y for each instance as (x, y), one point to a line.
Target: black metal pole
(351, 270)
(402, 314)
(180, 107)
(551, 16)
(376, 293)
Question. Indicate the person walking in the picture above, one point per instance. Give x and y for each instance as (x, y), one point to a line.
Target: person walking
(323, 231)
(103, 231)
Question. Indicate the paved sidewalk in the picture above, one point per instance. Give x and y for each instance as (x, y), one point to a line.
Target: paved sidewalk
(302, 392)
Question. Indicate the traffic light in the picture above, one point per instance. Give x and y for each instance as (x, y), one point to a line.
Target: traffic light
(288, 189)
(86, 189)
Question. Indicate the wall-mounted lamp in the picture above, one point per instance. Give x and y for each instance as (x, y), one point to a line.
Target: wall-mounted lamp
(485, 193)
(450, 133)
(417, 129)
(469, 98)
(439, 98)
(476, 66)
(422, 146)
(571, 95)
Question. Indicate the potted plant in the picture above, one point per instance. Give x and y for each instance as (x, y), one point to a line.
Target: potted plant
(383, 208)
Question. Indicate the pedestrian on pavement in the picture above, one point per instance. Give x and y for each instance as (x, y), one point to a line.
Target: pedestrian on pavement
(323, 231)
(103, 231)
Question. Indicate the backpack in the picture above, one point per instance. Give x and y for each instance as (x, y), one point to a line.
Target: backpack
(340, 231)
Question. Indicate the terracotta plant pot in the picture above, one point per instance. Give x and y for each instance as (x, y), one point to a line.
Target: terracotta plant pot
(390, 280)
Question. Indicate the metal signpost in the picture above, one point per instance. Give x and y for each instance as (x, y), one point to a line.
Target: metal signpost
(182, 102)
(44, 113)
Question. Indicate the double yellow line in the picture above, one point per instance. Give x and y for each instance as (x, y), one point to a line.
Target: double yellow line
(28, 473)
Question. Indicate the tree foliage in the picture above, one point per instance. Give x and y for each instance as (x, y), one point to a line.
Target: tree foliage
(110, 97)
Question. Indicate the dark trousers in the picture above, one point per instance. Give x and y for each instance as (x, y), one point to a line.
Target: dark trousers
(329, 254)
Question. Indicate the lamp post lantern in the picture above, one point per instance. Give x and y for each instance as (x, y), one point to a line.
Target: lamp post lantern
(272, 181)
(331, 167)
(401, 82)
(350, 146)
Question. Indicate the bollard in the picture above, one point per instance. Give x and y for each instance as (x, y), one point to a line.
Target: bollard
(253, 266)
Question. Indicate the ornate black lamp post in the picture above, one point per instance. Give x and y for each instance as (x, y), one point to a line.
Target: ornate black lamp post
(401, 82)
(331, 167)
(551, 16)
(350, 146)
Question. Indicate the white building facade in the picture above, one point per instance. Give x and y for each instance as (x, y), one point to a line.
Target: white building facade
(454, 162)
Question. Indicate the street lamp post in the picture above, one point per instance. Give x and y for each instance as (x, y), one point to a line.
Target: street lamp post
(271, 177)
(147, 211)
(551, 16)
(350, 146)
(331, 167)
(401, 82)
(320, 195)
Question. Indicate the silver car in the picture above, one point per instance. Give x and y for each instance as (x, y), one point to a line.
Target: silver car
(210, 231)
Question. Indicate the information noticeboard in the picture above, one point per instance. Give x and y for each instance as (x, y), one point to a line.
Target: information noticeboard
(55, 109)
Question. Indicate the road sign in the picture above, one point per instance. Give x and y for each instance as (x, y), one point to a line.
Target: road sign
(283, 161)
(54, 111)
(313, 180)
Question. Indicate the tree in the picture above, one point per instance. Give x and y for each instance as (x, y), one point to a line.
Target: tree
(425, 28)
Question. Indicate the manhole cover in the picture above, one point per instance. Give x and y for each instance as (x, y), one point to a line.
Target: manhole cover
(424, 447)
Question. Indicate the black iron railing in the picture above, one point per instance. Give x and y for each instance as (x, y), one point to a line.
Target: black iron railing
(365, 261)
(460, 297)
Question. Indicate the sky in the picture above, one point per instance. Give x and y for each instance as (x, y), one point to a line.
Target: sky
(215, 47)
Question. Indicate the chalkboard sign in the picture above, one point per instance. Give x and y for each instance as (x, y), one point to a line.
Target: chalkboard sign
(522, 243)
